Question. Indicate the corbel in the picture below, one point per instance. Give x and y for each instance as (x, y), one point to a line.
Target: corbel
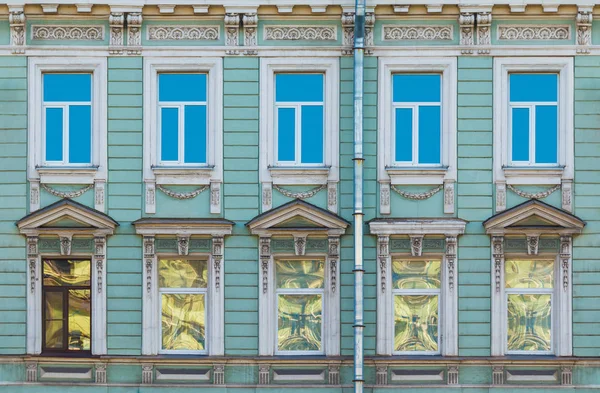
(451, 242)
(300, 244)
(200, 9)
(369, 25)
(318, 9)
(183, 244)
(215, 197)
(566, 375)
(550, 8)
(250, 23)
(584, 29)
(147, 374)
(381, 377)
(84, 8)
(149, 254)
(116, 21)
(434, 8)
(498, 375)
(401, 9)
(416, 245)
(32, 372)
(134, 33)
(467, 27)
(16, 20)
(518, 8)
(232, 32)
(484, 28)
(166, 8)
(333, 374)
(65, 244)
(264, 374)
(348, 17)
(49, 8)
(265, 258)
(217, 256)
(285, 9)
(533, 242)
(452, 375)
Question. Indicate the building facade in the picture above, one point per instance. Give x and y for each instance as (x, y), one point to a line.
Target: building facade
(177, 196)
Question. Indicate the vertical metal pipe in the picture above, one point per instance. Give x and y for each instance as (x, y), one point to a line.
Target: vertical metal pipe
(359, 52)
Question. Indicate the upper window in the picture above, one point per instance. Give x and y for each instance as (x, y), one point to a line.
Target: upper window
(67, 111)
(183, 121)
(299, 109)
(533, 111)
(417, 108)
(66, 305)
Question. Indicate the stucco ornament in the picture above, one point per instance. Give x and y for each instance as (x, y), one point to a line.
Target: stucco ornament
(299, 195)
(418, 33)
(418, 196)
(183, 33)
(67, 33)
(182, 195)
(536, 195)
(533, 32)
(295, 33)
(67, 194)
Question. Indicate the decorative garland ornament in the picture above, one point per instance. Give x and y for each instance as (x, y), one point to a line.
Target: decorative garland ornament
(537, 195)
(300, 195)
(418, 196)
(67, 194)
(182, 195)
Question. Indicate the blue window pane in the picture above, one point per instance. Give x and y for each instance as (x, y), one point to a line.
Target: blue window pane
(546, 134)
(169, 136)
(182, 87)
(299, 88)
(520, 134)
(67, 87)
(54, 134)
(312, 134)
(404, 134)
(80, 134)
(195, 134)
(417, 88)
(286, 134)
(429, 135)
(533, 87)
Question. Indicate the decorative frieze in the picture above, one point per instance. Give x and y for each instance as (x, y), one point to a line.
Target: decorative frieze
(584, 30)
(418, 32)
(265, 258)
(467, 35)
(16, 20)
(533, 242)
(416, 245)
(484, 36)
(498, 255)
(300, 32)
(217, 256)
(449, 197)
(533, 195)
(149, 254)
(417, 196)
(134, 33)
(302, 194)
(451, 243)
(183, 33)
(383, 253)
(507, 32)
(182, 195)
(67, 194)
(67, 32)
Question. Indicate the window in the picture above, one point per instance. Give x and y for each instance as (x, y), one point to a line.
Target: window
(67, 109)
(300, 295)
(66, 305)
(182, 107)
(416, 286)
(534, 119)
(299, 111)
(529, 287)
(183, 297)
(417, 111)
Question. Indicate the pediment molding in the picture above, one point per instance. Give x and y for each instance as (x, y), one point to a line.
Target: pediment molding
(533, 217)
(298, 217)
(183, 226)
(417, 226)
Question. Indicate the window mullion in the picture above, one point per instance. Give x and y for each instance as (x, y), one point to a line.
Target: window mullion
(298, 134)
(66, 158)
(65, 293)
(532, 121)
(415, 135)
(181, 134)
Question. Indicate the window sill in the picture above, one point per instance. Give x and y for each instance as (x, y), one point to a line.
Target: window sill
(533, 175)
(299, 175)
(417, 175)
(183, 175)
(67, 175)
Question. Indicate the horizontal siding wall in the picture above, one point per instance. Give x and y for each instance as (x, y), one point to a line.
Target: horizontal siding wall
(13, 204)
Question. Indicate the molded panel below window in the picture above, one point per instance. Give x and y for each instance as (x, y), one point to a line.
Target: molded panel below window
(417, 88)
(546, 134)
(286, 138)
(80, 134)
(520, 134)
(404, 134)
(429, 134)
(533, 87)
(182, 87)
(312, 135)
(169, 134)
(195, 134)
(299, 88)
(67, 87)
(54, 134)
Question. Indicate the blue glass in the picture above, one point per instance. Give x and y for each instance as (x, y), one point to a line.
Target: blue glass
(195, 134)
(312, 134)
(533, 87)
(299, 88)
(429, 134)
(520, 134)
(286, 134)
(54, 134)
(67, 87)
(417, 88)
(80, 134)
(182, 87)
(404, 134)
(546, 134)
(169, 137)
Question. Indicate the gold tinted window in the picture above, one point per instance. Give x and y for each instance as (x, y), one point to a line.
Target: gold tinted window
(416, 274)
(295, 274)
(182, 273)
(183, 321)
(529, 322)
(529, 274)
(66, 272)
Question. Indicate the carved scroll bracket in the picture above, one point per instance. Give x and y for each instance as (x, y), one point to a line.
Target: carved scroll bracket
(565, 260)
(183, 244)
(232, 33)
(533, 242)
(265, 258)
(99, 258)
(32, 257)
(416, 245)
(116, 21)
(451, 243)
(149, 254)
(348, 32)
(217, 256)
(16, 19)
(584, 30)
(134, 33)
(383, 253)
(65, 244)
(467, 27)
(498, 255)
(484, 36)
(300, 245)
(250, 23)
(334, 257)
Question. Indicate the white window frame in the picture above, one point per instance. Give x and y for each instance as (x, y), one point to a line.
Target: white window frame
(158, 173)
(508, 172)
(271, 171)
(53, 172)
(186, 291)
(398, 173)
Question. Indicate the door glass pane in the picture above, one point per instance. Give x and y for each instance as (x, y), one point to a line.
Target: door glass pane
(299, 322)
(529, 322)
(183, 322)
(300, 274)
(416, 323)
(182, 273)
(66, 272)
(416, 274)
(53, 308)
(529, 274)
(79, 319)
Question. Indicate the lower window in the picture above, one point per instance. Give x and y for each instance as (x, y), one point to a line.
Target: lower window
(66, 305)
(300, 296)
(183, 294)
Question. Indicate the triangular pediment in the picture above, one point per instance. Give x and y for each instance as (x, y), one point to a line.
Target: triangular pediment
(297, 215)
(67, 214)
(534, 216)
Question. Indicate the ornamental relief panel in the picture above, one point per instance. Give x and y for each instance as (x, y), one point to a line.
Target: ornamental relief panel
(67, 33)
(534, 32)
(183, 33)
(295, 33)
(418, 32)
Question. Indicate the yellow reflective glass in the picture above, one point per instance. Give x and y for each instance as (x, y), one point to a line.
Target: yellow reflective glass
(183, 322)
(182, 273)
(529, 322)
(53, 309)
(300, 274)
(416, 274)
(415, 323)
(79, 320)
(299, 322)
(529, 273)
(65, 272)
